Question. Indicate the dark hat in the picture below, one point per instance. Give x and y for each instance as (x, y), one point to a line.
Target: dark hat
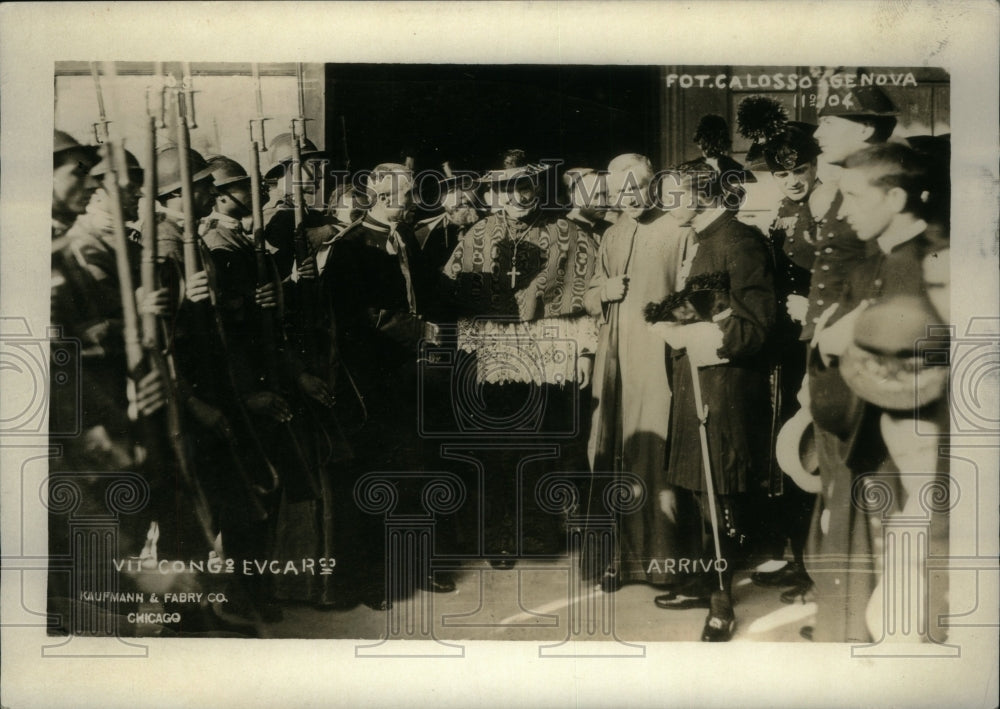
(795, 451)
(791, 147)
(515, 167)
(703, 297)
(280, 151)
(102, 167)
(168, 170)
(226, 171)
(712, 135)
(858, 102)
(898, 359)
(62, 142)
(451, 181)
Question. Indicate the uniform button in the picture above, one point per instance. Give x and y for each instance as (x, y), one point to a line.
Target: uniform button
(828, 250)
(825, 267)
(812, 270)
(819, 302)
(791, 239)
(790, 253)
(836, 582)
(878, 282)
(822, 286)
(816, 252)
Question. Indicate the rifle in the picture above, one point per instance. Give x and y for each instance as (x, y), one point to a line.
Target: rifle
(151, 434)
(193, 263)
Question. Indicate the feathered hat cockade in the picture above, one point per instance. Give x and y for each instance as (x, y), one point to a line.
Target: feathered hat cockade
(777, 143)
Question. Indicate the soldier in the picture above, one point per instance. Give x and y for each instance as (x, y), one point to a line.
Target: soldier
(72, 183)
(791, 158)
(279, 212)
(726, 344)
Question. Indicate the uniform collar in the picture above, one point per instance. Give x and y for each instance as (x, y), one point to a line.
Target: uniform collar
(889, 241)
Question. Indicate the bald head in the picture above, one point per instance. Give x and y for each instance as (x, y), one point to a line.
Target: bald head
(629, 178)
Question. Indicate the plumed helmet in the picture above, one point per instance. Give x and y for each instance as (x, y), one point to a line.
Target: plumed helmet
(857, 102)
(793, 146)
(226, 171)
(168, 169)
(280, 152)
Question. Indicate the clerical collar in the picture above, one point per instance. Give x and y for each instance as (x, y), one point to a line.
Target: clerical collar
(890, 240)
(371, 223)
(703, 220)
(575, 215)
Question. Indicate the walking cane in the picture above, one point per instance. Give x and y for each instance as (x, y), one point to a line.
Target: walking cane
(710, 486)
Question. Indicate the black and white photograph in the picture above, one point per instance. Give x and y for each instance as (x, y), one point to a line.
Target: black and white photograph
(608, 360)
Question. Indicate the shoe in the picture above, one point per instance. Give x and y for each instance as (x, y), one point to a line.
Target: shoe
(675, 601)
(801, 593)
(791, 574)
(721, 621)
(806, 631)
(440, 583)
(505, 562)
(610, 581)
(378, 603)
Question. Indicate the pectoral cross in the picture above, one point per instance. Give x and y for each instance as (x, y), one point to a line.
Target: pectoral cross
(513, 273)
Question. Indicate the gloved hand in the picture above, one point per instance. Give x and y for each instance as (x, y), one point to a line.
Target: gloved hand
(703, 341)
(670, 332)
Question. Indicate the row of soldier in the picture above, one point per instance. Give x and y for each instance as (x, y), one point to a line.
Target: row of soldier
(287, 362)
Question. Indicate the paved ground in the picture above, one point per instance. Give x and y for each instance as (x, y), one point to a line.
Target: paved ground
(532, 602)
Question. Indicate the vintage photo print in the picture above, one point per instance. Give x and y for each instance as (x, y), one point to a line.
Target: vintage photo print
(636, 360)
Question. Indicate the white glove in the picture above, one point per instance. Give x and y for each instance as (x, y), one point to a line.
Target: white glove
(797, 305)
(833, 341)
(704, 340)
(670, 332)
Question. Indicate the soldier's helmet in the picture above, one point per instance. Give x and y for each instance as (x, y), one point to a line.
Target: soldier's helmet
(280, 152)
(61, 142)
(226, 171)
(168, 169)
(131, 163)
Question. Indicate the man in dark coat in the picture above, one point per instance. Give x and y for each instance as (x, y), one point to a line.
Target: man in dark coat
(885, 195)
(726, 342)
(376, 285)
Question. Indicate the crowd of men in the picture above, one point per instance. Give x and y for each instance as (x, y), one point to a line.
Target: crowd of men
(257, 350)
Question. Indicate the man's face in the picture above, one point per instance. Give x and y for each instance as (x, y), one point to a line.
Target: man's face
(203, 196)
(396, 203)
(234, 199)
(72, 183)
(590, 196)
(839, 137)
(459, 206)
(517, 200)
(797, 183)
(629, 192)
(868, 208)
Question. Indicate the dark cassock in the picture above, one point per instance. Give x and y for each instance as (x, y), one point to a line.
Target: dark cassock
(374, 283)
(631, 390)
(728, 343)
(844, 549)
(516, 282)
